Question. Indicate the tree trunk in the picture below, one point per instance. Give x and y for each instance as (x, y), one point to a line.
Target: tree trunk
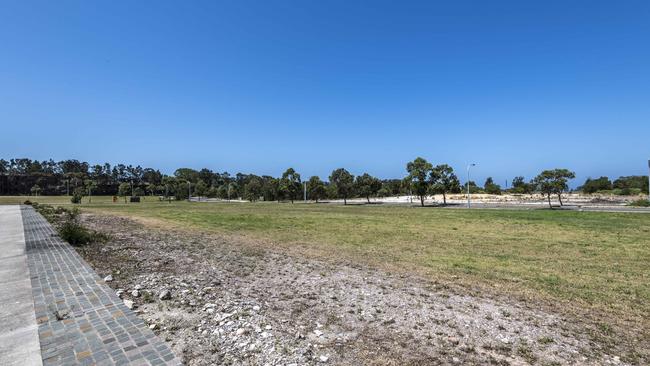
(444, 198)
(368, 198)
(345, 201)
(422, 201)
(559, 197)
(548, 195)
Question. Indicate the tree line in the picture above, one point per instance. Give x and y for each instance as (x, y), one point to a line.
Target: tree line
(73, 177)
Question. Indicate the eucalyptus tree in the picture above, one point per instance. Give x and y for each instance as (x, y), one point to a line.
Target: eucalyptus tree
(419, 173)
(253, 189)
(490, 187)
(316, 188)
(124, 190)
(444, 181)
(367, 185)
(343, 183)
(290, 184)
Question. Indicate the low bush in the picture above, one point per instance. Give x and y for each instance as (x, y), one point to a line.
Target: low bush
(68, 225)
(28, 202)
(626, 191)
(77, 195)
(72, 231)
(640, 203)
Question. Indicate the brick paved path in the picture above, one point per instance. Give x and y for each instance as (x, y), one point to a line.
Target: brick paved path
(80, 319)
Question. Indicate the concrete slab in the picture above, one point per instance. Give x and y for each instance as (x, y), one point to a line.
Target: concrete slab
(19, 342)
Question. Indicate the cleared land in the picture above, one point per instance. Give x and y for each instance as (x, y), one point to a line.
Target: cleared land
(586, 266)
(592, 258)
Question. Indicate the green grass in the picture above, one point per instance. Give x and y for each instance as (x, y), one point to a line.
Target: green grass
(593, 260)
(64, 200)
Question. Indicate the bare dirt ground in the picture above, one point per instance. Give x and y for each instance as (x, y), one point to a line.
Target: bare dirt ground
(234, 301)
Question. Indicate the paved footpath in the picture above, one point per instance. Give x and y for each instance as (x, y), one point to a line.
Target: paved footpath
(58, 309)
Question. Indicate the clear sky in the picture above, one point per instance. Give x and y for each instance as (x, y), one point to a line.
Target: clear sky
(515, 86)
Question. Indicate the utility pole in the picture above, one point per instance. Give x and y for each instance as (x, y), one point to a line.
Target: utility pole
(469, 204)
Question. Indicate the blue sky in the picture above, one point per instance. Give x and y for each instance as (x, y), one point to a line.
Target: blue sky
(516, 86)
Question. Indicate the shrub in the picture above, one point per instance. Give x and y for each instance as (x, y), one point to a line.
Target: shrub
(640, 203)
(27, 202)
(76, 234)
(77, 195)
(626, 191)
(596, 185)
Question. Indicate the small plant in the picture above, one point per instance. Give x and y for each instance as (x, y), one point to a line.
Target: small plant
(147, 297)
(27, 202)
(545, 340)
(525, 352)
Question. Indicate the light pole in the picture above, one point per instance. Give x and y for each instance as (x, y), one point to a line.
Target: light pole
(304, 186)
(469, 204)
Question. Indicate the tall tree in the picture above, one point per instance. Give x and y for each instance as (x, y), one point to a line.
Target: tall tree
(367, 185)
(201, 189)
(316, 188)
(491, 187)
(519, 185)
(343, 183)
(444, 181)
(253, 189)
(124, 190)
(290, 184)
(419, 172)
(595, 185)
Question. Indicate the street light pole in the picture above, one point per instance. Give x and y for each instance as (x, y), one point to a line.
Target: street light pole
(469, 204)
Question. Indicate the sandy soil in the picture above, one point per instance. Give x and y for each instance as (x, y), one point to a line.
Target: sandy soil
(235, 301)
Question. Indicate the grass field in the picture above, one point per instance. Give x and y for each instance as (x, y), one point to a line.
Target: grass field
(587, 260)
